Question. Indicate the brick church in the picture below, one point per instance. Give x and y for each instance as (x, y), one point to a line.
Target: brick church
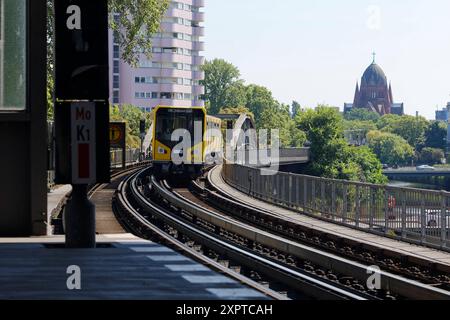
(375, 94)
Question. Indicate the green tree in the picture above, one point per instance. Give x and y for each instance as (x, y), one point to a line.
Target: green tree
(331, 155)
(369, 168)
(296, 109)
(135, 22)
(357, 125)
(296, 136)
(321, 126)
(387, 121)
(235, 95)
(220, 76)
(258, 99)
(237, 110)
(361, 115)
(436, 135)
(50, 101)
(390, 148)
(277, 117)
(410, 128)
(431, 156)
(132, 116)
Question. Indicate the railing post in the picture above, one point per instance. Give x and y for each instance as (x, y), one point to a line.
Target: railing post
(358, 206)
(404, 214)
(423, 221)
(443, 219)
(322, 196)
(333, 199)
(386, 211)
(290, 189)
(344, 204)
(372, 207)
(305, 193)
(313, 193)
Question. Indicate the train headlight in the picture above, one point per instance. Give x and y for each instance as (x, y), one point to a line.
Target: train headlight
(161, 151)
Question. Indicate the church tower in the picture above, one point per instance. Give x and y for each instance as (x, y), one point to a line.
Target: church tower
(375, 94)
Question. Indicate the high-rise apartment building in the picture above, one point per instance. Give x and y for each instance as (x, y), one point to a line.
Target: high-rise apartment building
(171, 77)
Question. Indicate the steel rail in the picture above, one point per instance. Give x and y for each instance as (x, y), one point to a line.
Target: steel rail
(135, 222)
(389, 281)
(318, 288)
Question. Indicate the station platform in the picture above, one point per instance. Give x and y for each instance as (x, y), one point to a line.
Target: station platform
(402, 248)
(105, 220)
(122, 267)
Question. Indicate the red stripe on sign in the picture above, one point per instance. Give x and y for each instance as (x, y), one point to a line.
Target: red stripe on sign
(83, 161)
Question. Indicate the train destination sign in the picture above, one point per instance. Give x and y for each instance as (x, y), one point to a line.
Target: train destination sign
(81, 50)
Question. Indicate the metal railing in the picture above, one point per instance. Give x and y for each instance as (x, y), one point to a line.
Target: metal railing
(131, 156)
(411, 215)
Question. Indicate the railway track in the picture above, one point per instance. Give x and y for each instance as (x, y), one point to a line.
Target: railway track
(413, 268)
(277, 266)
(116, 175)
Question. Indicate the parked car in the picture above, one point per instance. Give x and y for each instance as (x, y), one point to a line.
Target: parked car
(425, 168)
(385, 166)
(433, 218)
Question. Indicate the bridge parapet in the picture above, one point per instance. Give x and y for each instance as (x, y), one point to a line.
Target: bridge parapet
(261, 158)
(411, 215)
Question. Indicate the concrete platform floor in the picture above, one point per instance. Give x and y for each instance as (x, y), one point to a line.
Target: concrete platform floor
(123, 267)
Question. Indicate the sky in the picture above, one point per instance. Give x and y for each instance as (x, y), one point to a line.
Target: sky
(314, 51)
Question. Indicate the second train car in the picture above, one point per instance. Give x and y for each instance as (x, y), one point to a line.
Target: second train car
(204, 149)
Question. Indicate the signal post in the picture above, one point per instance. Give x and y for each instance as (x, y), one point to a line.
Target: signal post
(81, 110)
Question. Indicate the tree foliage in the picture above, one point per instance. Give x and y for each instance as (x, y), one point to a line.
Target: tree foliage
(436, 135)
(331, 155)
(361, 115)
(391, 149)
(296, 108)
(237, 110)
(235, 95)
(278, 117)
(132, 116)
(358, 125)
(136, 22)
(259, 98)
(410, 128)
(431, 156)
(220, 76)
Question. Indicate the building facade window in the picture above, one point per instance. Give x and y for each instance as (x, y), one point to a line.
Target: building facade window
(116, 54)
(116, 66)
(116, 83)
(115, 96)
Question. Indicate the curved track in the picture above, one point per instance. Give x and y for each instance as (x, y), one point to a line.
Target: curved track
(150, 207)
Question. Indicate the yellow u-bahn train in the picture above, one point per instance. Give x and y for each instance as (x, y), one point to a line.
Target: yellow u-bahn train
(174, 152)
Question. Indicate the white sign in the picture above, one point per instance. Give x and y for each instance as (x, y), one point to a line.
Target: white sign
(83, 143)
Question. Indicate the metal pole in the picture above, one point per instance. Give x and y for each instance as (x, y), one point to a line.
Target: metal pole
(80, 219)
(124, 158)
(141, 155)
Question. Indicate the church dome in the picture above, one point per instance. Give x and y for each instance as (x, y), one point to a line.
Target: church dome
(374, 76)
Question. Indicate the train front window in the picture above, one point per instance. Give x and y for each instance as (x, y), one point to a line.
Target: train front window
(169, 120)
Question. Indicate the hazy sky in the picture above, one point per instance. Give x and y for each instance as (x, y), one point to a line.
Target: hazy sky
(314, 51)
